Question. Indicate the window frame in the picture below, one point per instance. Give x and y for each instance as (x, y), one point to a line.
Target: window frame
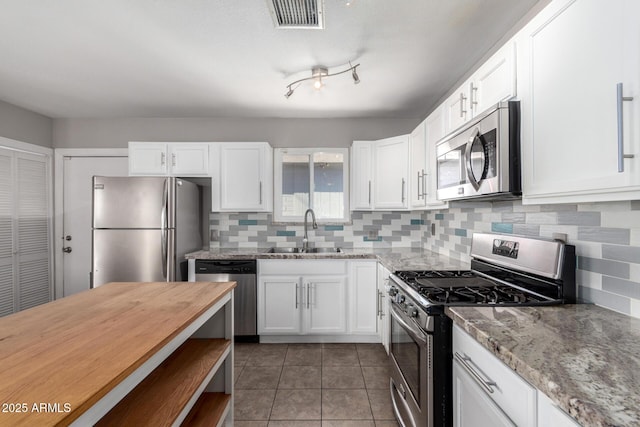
(277, 184)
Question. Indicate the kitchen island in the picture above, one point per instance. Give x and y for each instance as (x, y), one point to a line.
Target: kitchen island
(584, 357)
(122, 351)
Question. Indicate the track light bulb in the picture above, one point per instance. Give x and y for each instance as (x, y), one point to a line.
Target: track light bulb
(289, 93)
(356, 79)
(317, 84)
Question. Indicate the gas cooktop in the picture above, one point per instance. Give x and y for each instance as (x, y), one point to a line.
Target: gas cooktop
(465, 287)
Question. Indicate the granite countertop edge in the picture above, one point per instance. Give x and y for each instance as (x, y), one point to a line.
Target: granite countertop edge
(585, 409)
(394, 259)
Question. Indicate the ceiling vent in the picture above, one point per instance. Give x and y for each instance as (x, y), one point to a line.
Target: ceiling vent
(297, 14)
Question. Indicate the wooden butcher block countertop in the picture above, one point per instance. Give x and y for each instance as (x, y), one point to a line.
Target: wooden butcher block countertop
(60, 358)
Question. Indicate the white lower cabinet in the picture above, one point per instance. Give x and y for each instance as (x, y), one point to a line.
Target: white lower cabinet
(384, 320)
(472, 405)
(280, 305)
(317, 297)
(550, 415)
(325, 305)
(485, 391)
(302, 305)
(302, 297)
(363, 297)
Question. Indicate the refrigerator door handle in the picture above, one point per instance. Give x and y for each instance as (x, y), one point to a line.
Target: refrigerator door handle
(163, 228)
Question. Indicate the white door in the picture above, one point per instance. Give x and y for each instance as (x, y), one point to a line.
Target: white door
(384, 319)
(280, 301)
(418, 159)
(472, 407)
(364, 299)
(570, 126)
(361, 175)
(189, 159)
(457, 111)
(435, 130)
(243, 177)
(77, 195)
(148, 158)
(391, 166)
(495, 81)
(324, 305)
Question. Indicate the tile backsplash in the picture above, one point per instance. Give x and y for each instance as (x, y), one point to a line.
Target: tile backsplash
(606, 236)
(366, 230)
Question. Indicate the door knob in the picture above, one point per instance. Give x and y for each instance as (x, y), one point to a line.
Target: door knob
(66, 249)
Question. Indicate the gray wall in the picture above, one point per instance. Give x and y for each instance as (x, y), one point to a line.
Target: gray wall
(25, 125)
(116, 133)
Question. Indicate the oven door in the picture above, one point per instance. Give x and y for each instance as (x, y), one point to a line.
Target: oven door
(411, 371)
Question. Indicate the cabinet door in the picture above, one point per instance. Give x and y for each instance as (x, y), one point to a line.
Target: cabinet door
(189, 159)
(279, 305)
(570, 127)
(384, 320)
(363, 293)
(456, 108)
(245, 176)
(390, 171)
(418, 170)
(148, 158)
(471, 405)
(550, 415)
(494, 81)
(325, 305)
(435, 131)
(362, 175)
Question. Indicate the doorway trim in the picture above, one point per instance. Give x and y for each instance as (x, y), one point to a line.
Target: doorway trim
(58, 243)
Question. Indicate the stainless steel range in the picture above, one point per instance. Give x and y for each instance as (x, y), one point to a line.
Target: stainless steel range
(505, 271)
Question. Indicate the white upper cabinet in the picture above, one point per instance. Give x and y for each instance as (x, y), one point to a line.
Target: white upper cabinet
(362, 175)
(246, 176)
(166, 158)
(435, 131)
(493, 82)
(581, 102)
(391, 161)
(456, 108)
(418, 167)
(379, 174)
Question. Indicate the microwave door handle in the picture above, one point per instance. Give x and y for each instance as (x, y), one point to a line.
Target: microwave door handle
(467, 156)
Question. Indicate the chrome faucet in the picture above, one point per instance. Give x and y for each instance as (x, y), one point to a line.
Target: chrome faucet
(314, 224)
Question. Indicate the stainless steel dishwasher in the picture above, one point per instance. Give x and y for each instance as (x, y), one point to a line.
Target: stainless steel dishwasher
(245, 294)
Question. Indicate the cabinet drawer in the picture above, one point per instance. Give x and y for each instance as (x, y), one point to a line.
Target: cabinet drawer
(511, 393)
(304, 267)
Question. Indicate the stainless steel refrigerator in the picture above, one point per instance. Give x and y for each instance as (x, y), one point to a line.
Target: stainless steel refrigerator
(142, 228)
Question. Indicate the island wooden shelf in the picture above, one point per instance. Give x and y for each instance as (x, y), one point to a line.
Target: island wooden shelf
(71, 361)
(209, 410)
(162, 397)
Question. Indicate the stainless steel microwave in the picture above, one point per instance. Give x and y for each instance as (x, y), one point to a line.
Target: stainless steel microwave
(482, 159)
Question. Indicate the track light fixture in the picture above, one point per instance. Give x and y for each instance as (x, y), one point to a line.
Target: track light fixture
(319, 73)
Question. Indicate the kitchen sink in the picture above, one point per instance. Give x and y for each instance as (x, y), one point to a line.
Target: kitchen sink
(275, 250)
(284, 250)
(324, 250)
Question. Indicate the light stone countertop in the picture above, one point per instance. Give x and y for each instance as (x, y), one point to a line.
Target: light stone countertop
(393, 259)
(584, 357)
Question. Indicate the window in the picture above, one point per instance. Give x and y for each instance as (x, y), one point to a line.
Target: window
(311, 178)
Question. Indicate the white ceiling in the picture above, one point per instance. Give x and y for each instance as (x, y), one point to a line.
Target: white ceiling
(224, 58)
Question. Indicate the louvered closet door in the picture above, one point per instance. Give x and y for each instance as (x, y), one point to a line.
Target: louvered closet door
(25, 231)
(7, 294)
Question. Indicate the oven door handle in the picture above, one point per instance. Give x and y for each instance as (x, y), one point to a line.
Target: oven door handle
(467, 156)
(415, 333)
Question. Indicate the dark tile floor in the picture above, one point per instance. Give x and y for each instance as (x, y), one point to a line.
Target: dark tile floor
(319, 385)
